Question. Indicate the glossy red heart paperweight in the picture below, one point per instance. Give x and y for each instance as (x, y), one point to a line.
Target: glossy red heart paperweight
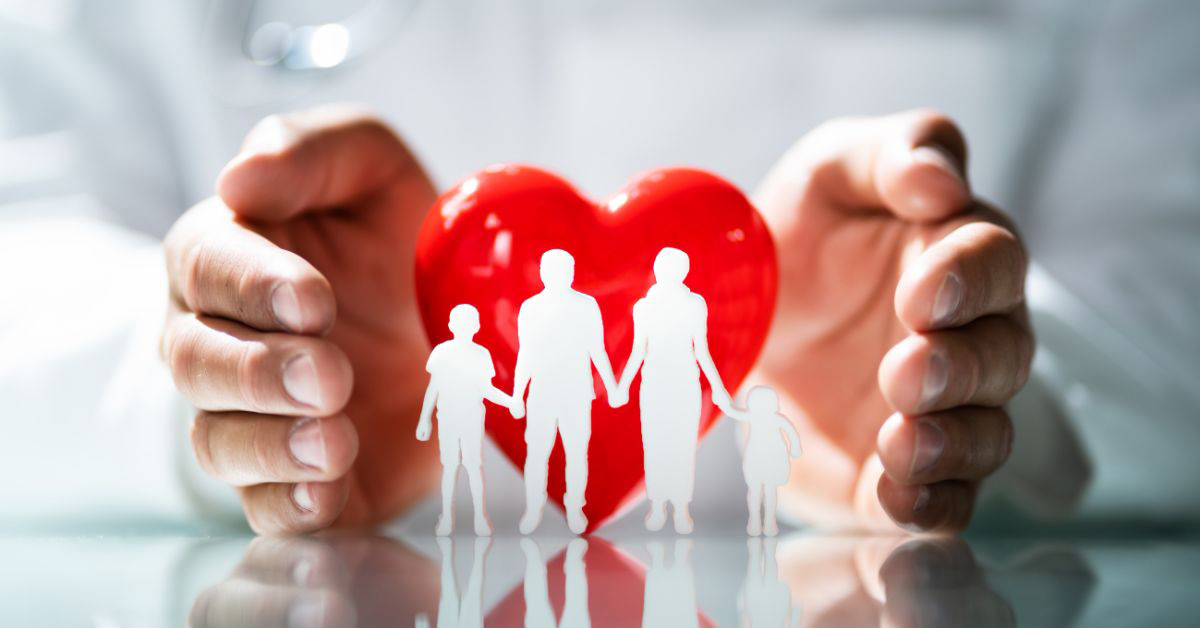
(481, 244)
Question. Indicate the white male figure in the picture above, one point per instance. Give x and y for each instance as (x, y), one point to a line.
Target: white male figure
(561, 335)
(460, 378)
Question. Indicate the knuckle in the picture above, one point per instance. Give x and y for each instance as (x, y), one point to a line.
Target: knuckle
(267, 454)
(181, 346)
(255, 375)
(201, 434)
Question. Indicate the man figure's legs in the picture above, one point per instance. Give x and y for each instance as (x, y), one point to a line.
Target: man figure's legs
(448, 448)
(471, 443)
(539, 440)
(576, 429)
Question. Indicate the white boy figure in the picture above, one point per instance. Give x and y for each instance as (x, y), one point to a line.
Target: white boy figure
(765, 461)
(460, 378)
(670, 347)
(561, 336)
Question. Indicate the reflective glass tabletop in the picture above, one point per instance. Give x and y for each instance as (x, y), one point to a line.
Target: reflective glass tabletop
(801, 579)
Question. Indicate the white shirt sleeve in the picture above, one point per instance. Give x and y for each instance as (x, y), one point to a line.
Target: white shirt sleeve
(95, 432)
(1103, 430)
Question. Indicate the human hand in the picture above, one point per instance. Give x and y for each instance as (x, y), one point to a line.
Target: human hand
(902, 328)
(517, 408)
(317, 216)
(327, 580)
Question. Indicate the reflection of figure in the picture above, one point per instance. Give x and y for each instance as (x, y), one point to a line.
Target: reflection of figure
(670, 337)
(765, 460)
(670, 597)
(467, 612)
(460, 378)
(538, 611)
(765, 600)
(561, 335)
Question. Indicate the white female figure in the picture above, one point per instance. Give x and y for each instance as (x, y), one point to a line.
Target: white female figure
(765, 461)
(670, 346)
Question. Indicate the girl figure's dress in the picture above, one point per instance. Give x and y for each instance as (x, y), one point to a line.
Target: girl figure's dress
(766, 460)
(670, 390)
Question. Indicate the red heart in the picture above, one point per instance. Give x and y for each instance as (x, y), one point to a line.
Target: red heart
(481, 244)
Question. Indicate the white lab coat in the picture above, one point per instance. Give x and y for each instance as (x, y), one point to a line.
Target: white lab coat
(115, 116)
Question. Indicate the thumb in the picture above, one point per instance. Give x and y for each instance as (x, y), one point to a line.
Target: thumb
(920, 166)
(317, 159)
(911, 164)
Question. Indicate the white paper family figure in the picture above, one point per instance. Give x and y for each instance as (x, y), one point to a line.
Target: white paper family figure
(764, 599)
(670, 594)
(538, 611)
(561, 337)
(770, 442)
(670, 346)
(460, 378)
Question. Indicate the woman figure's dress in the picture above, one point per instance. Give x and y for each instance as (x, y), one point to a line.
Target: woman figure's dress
(670, 391)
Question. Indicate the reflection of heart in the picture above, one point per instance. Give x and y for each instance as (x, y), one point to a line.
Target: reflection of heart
(482, 242)
(615, 581)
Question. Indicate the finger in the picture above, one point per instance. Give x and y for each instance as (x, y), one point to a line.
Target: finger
(940, 507)
(976, 270)
(967, 443)
(318, 159)
(219, 267)
(305, 562)
(222, 365)
(937, 582)
(294, 508)
(241, 448)
(236, 602)
(911, 163)
(981, 364)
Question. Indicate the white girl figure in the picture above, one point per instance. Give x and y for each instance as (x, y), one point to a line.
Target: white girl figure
(765, 461)
(460, 378)
(670, 340)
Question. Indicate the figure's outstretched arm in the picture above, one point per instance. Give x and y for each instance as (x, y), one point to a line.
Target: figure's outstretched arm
(792, 435)
(521, 371)
(425, 425)
(720, 395)
(497, 396)
(636, 355)
(598, 354)
(735, 413)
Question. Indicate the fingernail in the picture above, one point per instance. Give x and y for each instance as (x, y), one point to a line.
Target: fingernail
(928, 446)
(300, 380)
(939, 157)
(922, 499)
(302, 571)
(935, 380)
(286, 307)
(949, 296)
(307, 613)
(307, 443)
(303, 497)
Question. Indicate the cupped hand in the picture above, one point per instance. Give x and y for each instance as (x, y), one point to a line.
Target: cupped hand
(901, 330)
(293, 328)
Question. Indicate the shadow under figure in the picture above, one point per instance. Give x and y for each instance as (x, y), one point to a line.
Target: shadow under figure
(670, 340)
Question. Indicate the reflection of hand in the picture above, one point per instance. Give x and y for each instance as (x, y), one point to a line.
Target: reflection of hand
(335, 581)
(423, 430)
(905, 295)
(296, 234)
(517, 408)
